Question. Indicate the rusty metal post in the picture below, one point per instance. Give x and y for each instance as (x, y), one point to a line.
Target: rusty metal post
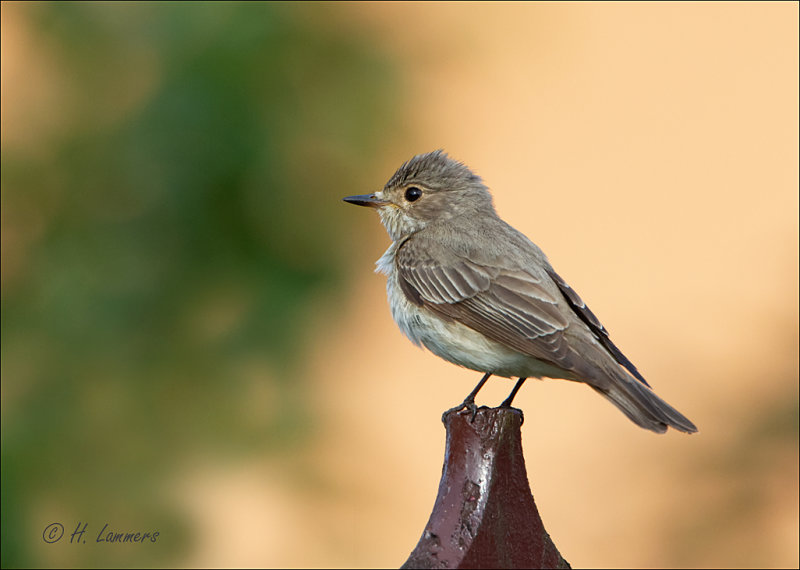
(484, 515)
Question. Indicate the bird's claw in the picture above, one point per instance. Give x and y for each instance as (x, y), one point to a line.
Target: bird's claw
(468, 404)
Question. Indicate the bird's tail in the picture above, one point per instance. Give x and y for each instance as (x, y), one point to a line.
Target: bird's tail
(643, 407)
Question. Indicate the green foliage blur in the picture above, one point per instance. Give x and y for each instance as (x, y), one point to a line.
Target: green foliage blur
(164, 251)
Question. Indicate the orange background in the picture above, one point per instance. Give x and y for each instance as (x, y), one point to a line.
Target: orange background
(651, 150)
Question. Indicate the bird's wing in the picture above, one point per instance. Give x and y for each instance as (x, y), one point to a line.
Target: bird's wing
(531, 310)
(520, 308)
(594, 324)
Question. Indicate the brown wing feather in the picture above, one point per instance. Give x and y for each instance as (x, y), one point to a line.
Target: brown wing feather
(512, 307)
(594, 324)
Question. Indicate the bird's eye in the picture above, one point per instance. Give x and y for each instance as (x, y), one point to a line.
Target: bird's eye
(413, 194)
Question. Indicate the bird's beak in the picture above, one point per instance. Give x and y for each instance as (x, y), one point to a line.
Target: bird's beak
(366, 200)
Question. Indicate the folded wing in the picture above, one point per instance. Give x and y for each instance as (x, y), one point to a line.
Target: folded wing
(514, 307)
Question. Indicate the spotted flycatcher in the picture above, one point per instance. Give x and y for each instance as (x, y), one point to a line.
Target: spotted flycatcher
(478, 293)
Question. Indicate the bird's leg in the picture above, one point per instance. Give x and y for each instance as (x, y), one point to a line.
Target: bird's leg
(469, 401)
(507, 402)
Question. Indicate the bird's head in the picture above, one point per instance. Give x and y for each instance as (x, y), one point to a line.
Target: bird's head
(427, 189)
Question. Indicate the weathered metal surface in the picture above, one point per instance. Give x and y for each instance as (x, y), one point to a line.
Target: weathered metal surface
(484, 515)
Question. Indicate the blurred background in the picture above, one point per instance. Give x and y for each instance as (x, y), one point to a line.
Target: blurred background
(193, 338)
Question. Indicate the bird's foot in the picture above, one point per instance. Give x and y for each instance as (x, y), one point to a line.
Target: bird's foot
(468, 404)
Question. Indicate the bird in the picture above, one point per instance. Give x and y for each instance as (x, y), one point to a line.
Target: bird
(476, 292)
